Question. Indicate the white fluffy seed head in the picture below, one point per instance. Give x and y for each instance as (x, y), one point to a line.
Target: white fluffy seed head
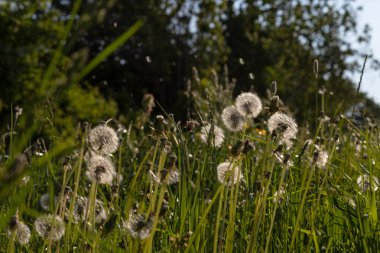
(322, 159)
(103, 140)
(50, 227)
(166, 176)
(365, 183)
(100, 169)
(21, 231)
(138, 225)
(80, 209)
(248, 104)
(232, 119)
(228, 173)
(101, 213)
(283, 126)
(216, 139)
(45, 201)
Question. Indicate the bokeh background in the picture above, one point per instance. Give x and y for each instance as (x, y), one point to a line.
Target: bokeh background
(184, 51)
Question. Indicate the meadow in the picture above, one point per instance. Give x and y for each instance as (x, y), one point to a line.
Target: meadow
(245, 179)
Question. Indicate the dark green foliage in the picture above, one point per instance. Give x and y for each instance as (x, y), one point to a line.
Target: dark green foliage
(258, 42)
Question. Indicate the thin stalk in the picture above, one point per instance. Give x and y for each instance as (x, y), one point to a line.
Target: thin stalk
(300, 209)
(218, 217)
(282, 176)
(203, 219)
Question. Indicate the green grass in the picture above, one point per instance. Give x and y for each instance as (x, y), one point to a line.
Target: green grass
(323, 209)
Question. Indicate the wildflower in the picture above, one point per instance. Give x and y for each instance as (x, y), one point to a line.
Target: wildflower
(366, 182)
(281, 125)
(50, 227)
(138, 225)
(261, 131)
(232, 119)
(216, 139)
(103, 139)
(166, 176)
(100, 169)
(228, 173)
(248, 104)
(19, 229)
(278, 196)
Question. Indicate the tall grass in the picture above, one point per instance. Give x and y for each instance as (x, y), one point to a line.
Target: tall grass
(287, 200)
(322, 208)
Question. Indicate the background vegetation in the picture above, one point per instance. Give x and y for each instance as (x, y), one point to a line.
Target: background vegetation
(69, 65)
(252, 42)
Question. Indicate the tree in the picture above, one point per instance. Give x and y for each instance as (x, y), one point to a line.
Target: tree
(30, 35)
(279, 41)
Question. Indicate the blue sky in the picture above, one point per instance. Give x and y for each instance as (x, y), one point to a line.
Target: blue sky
(371, 15)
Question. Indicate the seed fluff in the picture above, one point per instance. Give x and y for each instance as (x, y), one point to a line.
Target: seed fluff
(228, 173)
(282, 126)
(216, 139)
(232, 119)
(278, 196)
(20, 230)
(366, 182)
(103, 139)
(138, 225)
(100, 169)
(45, 201)
(166, 176)
(321, 157)
(248, 104)
(50, 227)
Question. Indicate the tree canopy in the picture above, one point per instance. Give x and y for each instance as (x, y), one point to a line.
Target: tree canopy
(252, 42)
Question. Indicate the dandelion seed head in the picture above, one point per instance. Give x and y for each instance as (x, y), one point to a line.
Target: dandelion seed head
(321, 159)
(216, 139)
(228, 173)
(50, 227)
(45, 201)
(138, 225)
(365, 182)
(101, 213)
(81, 208)
(20, 229)
(248, 104)
(232, 119)
(170, 176)
(166, 176)
(103, 139)
(79, 211)
(100, 169)
(280, 124)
